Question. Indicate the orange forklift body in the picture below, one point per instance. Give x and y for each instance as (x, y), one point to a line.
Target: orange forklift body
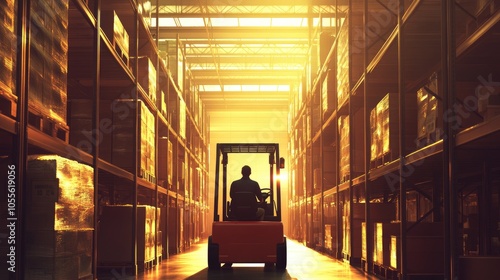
(247, 242)
(234, 241)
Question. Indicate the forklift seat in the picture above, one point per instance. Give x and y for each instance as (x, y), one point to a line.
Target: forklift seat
(244, 206)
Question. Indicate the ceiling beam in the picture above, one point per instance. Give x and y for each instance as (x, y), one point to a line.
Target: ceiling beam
(249, 59)
(239, 94)
(250, 15)
(251, 2)
(246, 106)
(256, 80)
(269, 33)
(238, 41)
(245, 72)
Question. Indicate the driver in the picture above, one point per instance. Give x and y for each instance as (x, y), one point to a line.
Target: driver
(245, 184)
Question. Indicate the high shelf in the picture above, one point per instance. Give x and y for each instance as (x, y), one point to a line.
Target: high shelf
(103, 93)
(398, 173)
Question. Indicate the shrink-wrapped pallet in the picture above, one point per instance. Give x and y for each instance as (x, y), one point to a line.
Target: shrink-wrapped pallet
(124, 137)
(57, 179)
(428, 120)
(116, 233)
(343, 64)
(147, 77)
(49, 59)
(118, 36)
(7, 48)
(59, 220)
(384, 128)
(344, 164)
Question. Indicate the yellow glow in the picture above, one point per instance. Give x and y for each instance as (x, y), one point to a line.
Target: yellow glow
(243, 22)
(283, 176)
(251, 22)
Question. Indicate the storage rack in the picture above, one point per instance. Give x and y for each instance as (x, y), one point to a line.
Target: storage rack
(438, 183)
(112, 84)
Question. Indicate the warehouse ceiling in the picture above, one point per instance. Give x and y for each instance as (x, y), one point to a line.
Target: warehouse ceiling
(246, 54)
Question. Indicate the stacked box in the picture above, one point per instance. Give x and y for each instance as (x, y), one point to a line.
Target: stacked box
(7, 15)
(115, 233)
(329, 100)
(424, 254)
(59, 218)
(148, 78)
(49, 58)
(384, 127)
(326, 40)
(488, 101)
(163, 105)
(424, 247)
(317, 179)
(350, 144)
(159, 244)
(328, 237)
(379, 212)
(147, 166)
(80, 122)
(343, 55)
(124, 137)
(65, 189)
(116, 32)
(182, 118)
(381, 241)
(376, 135)
(353, 247)
(428, 126)
(349, 56)
(7, 48)
(170, 163)
(80, 112)
(344, 164)
(144, 8)
(180, 67)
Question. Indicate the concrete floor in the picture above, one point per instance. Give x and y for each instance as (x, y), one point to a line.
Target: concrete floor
(302, 263)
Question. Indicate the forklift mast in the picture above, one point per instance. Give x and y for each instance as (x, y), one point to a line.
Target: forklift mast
(275, 164)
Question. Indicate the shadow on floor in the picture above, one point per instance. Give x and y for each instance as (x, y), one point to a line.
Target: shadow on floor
(240, 273)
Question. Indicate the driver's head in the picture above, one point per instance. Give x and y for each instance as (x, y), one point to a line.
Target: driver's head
(246, 171)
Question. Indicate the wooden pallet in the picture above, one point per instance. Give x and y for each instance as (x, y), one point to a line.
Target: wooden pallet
(48, 125)
(366, 266)
(147, 176)
(380, 160)
(121, 53)
(116, 269)
(158, 260)
(384, 272)
(8, 104)
(146, 265)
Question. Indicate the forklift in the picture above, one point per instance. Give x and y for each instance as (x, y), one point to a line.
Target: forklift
(239, 238)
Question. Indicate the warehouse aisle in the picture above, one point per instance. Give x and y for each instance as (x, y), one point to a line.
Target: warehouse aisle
(303, 263)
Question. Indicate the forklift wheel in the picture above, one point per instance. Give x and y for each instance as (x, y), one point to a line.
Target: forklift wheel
(213, 255)
(281, 255)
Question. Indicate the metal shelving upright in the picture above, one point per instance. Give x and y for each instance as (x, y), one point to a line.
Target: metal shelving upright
(437, 176)
(101, 70)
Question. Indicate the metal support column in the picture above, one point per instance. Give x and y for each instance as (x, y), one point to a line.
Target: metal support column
(402, 186)
(95, 124)
(366, 140)
(157, 139)
(21, 143)
(449, 192)
(338, 213)
(136, 148)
